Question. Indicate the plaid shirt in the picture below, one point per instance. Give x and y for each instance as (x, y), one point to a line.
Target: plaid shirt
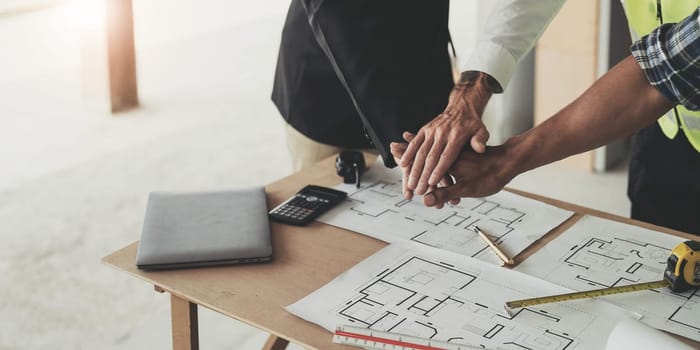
(670, 59)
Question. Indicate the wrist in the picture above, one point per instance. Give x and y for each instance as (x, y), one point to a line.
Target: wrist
(518, 154)
(473, 89)
(481, 79)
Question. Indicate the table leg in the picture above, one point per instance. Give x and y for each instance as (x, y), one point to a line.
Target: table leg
(275, 343)
(184, 323)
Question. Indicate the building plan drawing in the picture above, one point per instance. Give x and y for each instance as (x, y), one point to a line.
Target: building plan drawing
(378, 209)
(598, 253)
(414, 289)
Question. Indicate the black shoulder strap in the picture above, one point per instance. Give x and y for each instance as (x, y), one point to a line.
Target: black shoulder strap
(311, 7)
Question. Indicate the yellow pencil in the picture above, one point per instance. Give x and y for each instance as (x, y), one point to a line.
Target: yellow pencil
(501, 255)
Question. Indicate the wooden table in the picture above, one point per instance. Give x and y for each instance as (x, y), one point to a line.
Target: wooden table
(304, 259)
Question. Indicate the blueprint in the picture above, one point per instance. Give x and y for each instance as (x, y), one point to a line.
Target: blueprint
(599, 253)
(413, 289)
(378, 209)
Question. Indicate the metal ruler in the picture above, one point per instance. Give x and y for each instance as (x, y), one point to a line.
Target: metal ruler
(373, 339)
(587, 294)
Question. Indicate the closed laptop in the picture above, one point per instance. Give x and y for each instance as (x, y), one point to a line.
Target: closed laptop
(182, 230)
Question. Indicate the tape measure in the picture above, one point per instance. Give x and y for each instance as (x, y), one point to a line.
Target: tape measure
(587, 294)
(373, 339)
(682, 273)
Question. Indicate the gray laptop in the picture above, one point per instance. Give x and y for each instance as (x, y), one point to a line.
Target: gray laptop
(183, 230)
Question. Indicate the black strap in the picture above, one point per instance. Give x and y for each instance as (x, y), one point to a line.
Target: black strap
(452, 46)
(311, 10)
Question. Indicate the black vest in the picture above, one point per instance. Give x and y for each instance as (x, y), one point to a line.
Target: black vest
(354, 71)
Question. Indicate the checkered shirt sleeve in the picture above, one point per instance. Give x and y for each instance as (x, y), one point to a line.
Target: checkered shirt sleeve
(670, 59)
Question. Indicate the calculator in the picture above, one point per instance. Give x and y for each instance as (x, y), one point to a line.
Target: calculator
(307, 204)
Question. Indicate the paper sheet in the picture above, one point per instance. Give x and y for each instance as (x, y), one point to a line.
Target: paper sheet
(635, 335)
(378, 209)
(414, 289)
(598, 253)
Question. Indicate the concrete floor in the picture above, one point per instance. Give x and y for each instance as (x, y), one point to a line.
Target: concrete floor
(74, 183)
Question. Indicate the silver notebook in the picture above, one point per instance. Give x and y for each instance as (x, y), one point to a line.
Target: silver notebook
(182, 230)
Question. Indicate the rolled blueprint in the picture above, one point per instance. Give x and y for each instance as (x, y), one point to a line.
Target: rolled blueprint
(632, 334)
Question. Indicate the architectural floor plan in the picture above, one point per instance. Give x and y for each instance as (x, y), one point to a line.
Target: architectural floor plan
(598, 253)
(417, 290)
(378, 209)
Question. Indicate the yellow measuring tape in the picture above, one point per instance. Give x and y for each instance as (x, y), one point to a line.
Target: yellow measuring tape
(587, 294)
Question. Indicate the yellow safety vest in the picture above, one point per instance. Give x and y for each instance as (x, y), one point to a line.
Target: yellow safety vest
(644, 16)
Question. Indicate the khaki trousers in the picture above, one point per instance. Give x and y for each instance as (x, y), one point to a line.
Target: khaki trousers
(305, 151)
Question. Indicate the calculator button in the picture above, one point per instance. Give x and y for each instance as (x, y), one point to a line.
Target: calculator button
(312, 198)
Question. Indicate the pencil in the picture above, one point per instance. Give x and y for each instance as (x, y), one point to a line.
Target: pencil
(501, 255)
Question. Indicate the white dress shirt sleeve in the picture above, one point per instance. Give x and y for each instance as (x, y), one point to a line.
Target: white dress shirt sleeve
(509, 33)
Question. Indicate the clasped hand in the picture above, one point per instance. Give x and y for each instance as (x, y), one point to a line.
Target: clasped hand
(428, 156)
(471, 175)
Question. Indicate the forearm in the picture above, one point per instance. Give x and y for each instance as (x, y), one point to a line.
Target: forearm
(618, 104)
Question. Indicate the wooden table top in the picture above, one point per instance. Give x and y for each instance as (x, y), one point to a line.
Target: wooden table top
(304, 259)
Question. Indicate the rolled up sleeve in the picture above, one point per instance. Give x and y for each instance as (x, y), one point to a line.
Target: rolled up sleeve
(670, 59)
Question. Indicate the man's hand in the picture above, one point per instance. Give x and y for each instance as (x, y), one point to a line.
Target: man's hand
(397, 151)
(622, 100)
(438, 144)
(475, 175)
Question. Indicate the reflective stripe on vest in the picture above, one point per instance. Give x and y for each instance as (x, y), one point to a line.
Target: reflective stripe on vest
(644, 16)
